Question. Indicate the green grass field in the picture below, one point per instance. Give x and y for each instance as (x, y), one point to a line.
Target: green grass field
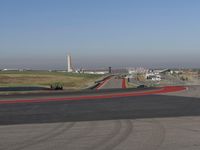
(45, 78)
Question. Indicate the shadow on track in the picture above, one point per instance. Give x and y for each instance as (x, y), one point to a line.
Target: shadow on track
(105, 109)
(25, 88)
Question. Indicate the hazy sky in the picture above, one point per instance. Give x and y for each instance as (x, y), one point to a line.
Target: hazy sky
(99, 33)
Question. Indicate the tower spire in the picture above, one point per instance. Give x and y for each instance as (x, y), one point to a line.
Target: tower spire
(69, 63)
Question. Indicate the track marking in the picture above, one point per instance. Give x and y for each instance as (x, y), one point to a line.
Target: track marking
(123, 83)
(93, 97)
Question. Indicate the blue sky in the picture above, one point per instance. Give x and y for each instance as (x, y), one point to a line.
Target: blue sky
(99, 33)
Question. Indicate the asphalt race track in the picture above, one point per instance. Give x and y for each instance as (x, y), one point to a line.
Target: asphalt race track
(112, 82)
(145, 122)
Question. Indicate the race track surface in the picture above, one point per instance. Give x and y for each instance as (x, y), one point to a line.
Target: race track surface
(149, 122)
(112, 82)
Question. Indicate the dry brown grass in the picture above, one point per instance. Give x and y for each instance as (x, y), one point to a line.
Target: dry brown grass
(25, 79)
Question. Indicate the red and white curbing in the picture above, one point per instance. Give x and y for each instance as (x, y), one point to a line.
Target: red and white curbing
(123, 83)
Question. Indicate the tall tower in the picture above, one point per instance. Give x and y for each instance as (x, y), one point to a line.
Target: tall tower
(69, 64)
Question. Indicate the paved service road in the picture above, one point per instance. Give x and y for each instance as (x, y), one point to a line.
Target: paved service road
(156, 122)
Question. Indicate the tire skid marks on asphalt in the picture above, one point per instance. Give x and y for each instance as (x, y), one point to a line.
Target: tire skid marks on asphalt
(157, 136)
(126, 130)
(63, 127)
(114, 131)
(75, 135)
(120, 132)
(22, 144)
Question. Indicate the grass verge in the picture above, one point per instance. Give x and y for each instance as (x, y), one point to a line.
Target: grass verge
(45, 79)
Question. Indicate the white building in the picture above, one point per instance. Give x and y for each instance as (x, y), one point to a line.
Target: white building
(95, 71)
(137, 70)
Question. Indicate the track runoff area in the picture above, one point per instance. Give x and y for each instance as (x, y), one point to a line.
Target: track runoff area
(104, 94)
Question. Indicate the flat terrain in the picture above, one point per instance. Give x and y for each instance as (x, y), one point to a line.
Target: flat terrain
(45, 78)
(164, 122)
